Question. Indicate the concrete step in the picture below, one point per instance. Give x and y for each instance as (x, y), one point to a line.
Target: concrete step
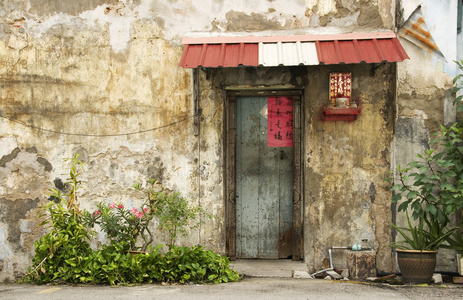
(281, 268)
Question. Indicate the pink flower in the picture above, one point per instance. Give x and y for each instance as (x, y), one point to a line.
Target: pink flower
(139, 215)
(97, 213)
(145, 209)
(120, 206)
(134, 211)
(112, 205)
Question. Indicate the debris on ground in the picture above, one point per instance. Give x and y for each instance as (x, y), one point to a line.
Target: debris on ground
(458, 279)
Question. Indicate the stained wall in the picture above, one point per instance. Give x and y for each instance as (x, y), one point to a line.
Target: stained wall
(345, 163)
(424, 91)
(101, 78)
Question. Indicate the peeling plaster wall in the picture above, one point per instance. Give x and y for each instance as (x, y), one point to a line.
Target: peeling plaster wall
(110, 68)
(345, 166)
(75, 72)
(424, 92)
(346, 199)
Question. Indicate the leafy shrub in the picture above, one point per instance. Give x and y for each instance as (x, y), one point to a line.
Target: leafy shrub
(112, 264)
(176, 215)
(60, 253)
(64, 254)
(432, 189)
(122, 224)
(196, 264)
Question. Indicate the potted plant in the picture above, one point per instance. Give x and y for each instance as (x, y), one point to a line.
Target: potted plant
(432, 189)
(429, 188)
(416, 253)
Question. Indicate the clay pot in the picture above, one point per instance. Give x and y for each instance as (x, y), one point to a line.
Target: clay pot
(416, 266)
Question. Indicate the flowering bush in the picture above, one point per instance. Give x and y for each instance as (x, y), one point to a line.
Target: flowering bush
(122, 224)
(64, 253)
(173, 212)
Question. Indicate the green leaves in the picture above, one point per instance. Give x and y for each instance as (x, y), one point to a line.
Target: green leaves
(64, 253)
(109, 266)
(175, 214)
(432, 188)
(417, 237)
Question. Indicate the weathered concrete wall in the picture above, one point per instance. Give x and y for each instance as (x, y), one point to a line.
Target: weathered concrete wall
(346, 199)
(77, 79)
(346, 163)
(109, 68)
(424, 92)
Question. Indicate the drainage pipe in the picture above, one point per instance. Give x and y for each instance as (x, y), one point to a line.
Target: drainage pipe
(331, 257)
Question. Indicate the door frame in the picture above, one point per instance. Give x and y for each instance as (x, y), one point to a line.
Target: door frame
(230, 168)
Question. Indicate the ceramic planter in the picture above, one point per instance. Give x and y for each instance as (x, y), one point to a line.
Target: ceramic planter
(416, 266)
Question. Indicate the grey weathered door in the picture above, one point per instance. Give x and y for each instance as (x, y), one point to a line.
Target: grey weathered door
(264, 186)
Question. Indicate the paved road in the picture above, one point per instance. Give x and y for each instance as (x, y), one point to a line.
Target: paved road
(249, 288)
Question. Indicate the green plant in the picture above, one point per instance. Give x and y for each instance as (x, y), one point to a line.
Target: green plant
(436, 179)
(64, 253)
(425, 187)
(75, 170)
(122, 224)
(195, 264)
(59, 252)
(110, 265)
(432, 186)
(174, 213)
(455, 241)
(419, 238)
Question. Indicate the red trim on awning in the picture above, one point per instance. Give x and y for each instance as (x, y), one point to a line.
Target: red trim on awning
(363, 51)
(348, 48)
(220, 55)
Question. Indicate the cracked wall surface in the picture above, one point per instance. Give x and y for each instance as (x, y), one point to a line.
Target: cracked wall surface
(345, 167)
(424, 98)
(101, 78)
(346, 199)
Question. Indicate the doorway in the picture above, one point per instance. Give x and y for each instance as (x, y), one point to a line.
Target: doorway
(263, 181)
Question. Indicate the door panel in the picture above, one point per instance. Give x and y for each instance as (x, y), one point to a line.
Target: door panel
(264, 180)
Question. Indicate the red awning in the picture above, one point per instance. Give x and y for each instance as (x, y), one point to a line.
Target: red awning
(219, 55)
(349, 48)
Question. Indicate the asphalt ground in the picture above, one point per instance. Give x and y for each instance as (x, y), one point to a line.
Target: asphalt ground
(249, 288)
(262, 279)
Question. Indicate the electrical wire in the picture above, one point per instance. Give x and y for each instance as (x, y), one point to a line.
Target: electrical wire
(99, 135)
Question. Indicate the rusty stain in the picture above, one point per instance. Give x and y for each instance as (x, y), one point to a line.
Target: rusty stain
(17, 23)
(415, 30)
(285, 241)
(432, 47)
(361, 264)
(417, 27)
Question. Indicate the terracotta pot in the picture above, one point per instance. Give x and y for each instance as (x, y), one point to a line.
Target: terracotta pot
(416, 266)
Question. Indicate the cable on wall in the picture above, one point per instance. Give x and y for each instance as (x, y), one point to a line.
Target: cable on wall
(99, 135)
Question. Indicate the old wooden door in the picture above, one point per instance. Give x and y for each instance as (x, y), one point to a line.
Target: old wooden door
(264, 186)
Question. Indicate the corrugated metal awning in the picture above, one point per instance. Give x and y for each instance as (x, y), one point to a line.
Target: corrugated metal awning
(348, 48)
